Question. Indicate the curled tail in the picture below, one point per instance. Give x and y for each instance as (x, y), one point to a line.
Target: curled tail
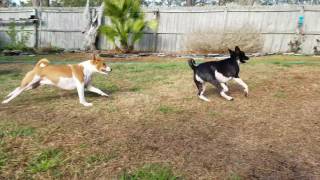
(192, 64)
(42, 63)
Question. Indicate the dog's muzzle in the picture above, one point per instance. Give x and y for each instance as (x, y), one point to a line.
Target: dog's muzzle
(106, 71)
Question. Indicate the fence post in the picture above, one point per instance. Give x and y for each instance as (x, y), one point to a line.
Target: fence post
(36, 33)
(39, 15)
(225, 22)
(155, 34)
(225, 19)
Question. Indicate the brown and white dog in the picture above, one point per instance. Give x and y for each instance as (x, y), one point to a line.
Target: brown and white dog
(68, 77)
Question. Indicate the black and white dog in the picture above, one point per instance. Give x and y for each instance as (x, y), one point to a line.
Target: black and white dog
(218, 73)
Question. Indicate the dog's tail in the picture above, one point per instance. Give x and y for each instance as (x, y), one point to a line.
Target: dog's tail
(42, 63)
(192, 64)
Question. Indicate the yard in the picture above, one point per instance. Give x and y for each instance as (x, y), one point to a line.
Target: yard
(153, 119)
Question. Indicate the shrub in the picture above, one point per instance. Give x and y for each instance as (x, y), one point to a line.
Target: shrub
(295, 45)
(127, 23)
(17, 42)
(217, 41)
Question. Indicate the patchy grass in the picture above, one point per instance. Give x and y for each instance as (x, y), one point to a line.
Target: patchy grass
(280, 94)
(291, 63)
(213, 113)
(148, 172)
(3, 155)
(135, 89)
(100, 158)
(168, 109)
(153, 116)
(234, 176)
(111, 87)
(20, 132)
(14, 130)
(288, 61)
(46, 160)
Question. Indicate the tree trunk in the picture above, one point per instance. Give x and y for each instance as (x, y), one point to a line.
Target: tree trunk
(3, 3)
(36, 3)
(92, 26)
(189, 2)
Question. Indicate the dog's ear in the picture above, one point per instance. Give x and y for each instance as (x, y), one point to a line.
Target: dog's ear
(230, 51)
(237, 49)
(95, 57)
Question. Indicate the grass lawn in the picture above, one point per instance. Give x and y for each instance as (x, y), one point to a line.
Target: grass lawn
(154, 126)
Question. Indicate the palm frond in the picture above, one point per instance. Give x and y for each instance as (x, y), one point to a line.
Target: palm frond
(126, 22)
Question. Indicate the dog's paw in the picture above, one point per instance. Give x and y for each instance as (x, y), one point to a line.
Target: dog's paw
(4, 102)
(87, 104)
(105, 95)
(246, 92)
(204, 98)
(229, 98)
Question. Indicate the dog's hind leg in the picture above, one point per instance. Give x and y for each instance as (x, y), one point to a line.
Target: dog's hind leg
(28, 77)
(24, 86)
(14, 94)
(242, 84)
(201, 88)
(223, 92)
(14, 91)
(34, 85)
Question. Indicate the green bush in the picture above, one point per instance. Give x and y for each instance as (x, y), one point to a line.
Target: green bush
(17, 43)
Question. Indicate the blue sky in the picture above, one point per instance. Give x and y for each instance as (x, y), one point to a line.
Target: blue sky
(17, 1)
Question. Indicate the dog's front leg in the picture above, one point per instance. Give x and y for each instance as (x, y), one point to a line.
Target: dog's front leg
(242, 84)
(96, 90)
(80, 89)
(223, 92)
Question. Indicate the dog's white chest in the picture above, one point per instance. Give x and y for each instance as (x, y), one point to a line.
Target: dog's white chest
(66, 83)
(221, 78)
(87, 77)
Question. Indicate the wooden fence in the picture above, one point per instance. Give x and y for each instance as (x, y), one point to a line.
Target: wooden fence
(62, 27)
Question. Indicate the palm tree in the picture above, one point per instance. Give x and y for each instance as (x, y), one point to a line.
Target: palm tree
(126, 23)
